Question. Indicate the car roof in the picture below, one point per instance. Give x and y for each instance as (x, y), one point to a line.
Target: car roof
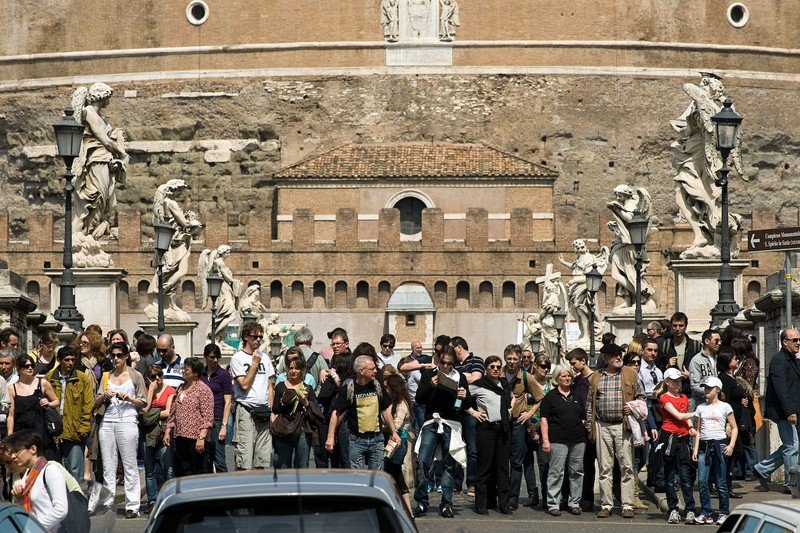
(786, 510)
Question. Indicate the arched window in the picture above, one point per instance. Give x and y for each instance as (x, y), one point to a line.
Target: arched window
(297, 295)
(124, 296)
(509, 295)
(531, 296)
(410, 215)
(485, 295)
(33, 291)
(340, 294)
(362, 295)
(318, 301)
(440, 294)
(275, 295)
(462, 295)
(384, 291)
(141, 293)
(753, 292)
(188, 296)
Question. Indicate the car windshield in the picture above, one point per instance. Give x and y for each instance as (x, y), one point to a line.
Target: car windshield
(281, 514)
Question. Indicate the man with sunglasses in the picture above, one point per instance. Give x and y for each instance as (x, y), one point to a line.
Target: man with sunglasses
(253, 383)
(75, 392)
(782, 406)
(169, 361)
(387, 356)
(471, 366)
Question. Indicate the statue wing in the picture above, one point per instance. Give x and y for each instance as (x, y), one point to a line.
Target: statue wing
(602, 259)
(645, 203)
(706, 108)
(204, 263)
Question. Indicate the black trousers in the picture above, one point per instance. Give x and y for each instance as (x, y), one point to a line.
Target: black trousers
(589, 457)
(491, 476)
(187, 461)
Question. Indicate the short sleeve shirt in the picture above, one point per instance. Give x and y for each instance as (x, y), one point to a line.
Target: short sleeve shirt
(670, 423)
(173, 372)
(220, 384)
(257, 394)
(471, 364)
(565, 416)
(364, 412)
(712, 420)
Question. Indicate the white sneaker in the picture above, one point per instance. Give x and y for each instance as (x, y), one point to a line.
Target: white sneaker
(703, 520)
(689, 518)
(674, 517)
(721, 518)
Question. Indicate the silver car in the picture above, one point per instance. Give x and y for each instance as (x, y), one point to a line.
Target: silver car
(277, 501)
(779, 516)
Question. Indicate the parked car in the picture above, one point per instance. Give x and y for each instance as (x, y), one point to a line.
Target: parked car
(281, 501)
(779, 516)
(14, 518)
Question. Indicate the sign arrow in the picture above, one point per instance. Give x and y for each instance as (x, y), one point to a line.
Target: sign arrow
(753, 240)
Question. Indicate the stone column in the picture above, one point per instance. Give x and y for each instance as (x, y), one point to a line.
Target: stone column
(14, 303)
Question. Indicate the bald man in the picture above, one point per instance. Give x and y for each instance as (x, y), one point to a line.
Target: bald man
(169, 361)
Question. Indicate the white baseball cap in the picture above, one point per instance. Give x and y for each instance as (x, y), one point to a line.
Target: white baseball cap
(673, 373)
(712, 381)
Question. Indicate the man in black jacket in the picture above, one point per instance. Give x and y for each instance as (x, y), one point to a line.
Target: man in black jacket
(445, 399)
(782, 405)
(678, 349)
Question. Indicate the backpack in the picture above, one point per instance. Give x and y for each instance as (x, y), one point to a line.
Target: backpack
(351, 388)
(77, 519)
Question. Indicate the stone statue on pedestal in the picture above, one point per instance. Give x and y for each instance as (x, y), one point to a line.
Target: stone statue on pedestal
(448, 20)
(99, 168)
(554, 298)
(577, 292)
(250, 305)
(623, 253)
(696, 159)
(231, 288)
(176, 260)
(533, 329)
(390, 20)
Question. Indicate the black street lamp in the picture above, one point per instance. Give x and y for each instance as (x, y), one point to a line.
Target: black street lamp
(726, 128)
(637, 227)
(594, 279)
(69, 135)
(559, 317)
(214, 282)
(164, 233)
(536, 344)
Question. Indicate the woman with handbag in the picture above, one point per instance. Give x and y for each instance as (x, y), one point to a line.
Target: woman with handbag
(190, 420)
(121, 394)
(397, 454)
(295, 415)
(30, 396)
(739, 395)
(158, 460)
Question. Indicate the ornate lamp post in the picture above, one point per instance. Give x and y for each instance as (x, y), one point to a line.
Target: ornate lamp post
(726, 128)
(559, 317)
(536, 344)
(638, 231)
(164, 233)
(69, 135)
(214, 281)
(594, 279)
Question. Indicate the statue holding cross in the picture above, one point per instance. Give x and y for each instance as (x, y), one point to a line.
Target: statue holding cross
(577, 292)
(554, 298)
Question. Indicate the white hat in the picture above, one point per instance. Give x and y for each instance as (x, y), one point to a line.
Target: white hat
(712, 381)
(673, 373)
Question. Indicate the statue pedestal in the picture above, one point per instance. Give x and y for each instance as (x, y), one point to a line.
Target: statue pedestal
(96, 294)
(624, 326)
(181, 332)
(697, 289)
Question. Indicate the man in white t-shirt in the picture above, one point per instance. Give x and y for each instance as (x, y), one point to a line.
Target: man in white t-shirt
(387, 355)
(253, 383)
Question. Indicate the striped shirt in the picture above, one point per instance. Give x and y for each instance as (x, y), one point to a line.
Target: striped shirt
(471, 364)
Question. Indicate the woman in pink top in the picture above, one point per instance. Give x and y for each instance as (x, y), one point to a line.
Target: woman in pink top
(190, 420)
(158, 460)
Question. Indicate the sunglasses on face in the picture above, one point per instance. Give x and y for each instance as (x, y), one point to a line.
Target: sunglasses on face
(635, 362)
(544, 367)
(118, 354)
(155, 376)
(28, 365)
(446, 363)
(495, 367)
(256, 337)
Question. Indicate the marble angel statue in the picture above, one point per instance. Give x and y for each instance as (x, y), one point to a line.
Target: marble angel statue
(626, 202)
(208, 261)
(532, 329)
(577, 291)
(250, 305)
(696, 160)
(553, 299)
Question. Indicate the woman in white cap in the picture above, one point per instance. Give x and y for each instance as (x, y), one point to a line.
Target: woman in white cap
(676, 430)
(712, 447)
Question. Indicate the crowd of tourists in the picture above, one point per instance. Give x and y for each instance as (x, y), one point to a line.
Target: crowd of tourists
(684, 410)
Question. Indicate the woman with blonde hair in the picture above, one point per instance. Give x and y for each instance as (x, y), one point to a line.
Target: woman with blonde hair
(92, 348)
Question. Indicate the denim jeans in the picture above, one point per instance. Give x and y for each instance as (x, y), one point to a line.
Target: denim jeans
(543, 460)
(468, 423)
(158, 468)
(366, 453)
(521, 463)
(430, 439)
(216, 455)
(417, 417)
(565, 457)
(786, 454)
(673, 466)
(711, 459)
(292, 452)
(72, 457)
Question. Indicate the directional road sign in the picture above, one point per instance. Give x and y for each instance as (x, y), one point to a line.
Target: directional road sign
(773, 240)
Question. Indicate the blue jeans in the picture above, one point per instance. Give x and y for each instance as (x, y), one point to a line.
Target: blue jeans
(430, 439)
(521, 456)
(710, 458)
(786, 454)
(417, 417)
(216, 455)
(468, 423)
(72, 457)
(366, 453)
(292, 452)
(673, 466)
(158, 468)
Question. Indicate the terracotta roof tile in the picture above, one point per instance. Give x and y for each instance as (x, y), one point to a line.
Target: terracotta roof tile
(414, 160)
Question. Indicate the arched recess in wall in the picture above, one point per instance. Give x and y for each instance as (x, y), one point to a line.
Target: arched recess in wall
(189, 298)
(297, 295)
(462, 295)
(753, 292)
(410, 203)
(318, 298)
(276, 295)
(141, 294)
(486, 295)
(33, 291)
(531, 299)
(384, 292)
(340, 294)
(124, 296)
(362, 295)
(440, 295)
(601, 298)
(509, 295)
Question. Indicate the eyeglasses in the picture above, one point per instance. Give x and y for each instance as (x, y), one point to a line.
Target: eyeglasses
(156, 376)
(793, 340)
(494, 367)
(544, 367)
(119, 354)
(635, 362)
(256, 337)
(29, 365)
(446, 363)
